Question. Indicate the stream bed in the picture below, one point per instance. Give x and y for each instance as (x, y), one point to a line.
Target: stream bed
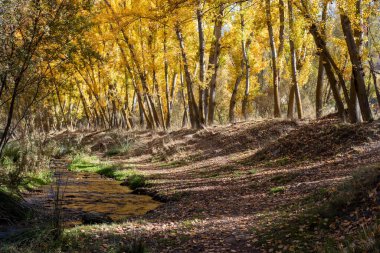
(83, 194)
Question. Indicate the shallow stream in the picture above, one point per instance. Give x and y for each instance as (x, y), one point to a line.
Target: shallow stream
(83, 193)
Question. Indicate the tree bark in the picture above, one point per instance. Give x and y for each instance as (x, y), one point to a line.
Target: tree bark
(291, 103)
(185, 106)
(245, 44)
(202, 70)
(167, 88)
(321, 71)
(357, 68)
(214, 62)
(355, 115)
(327, 63)
(334, 88)
(142, 110)
(277, 109)
(374, 79)
(294, 61)
(319, 89)
(233, 98)
(170, 102)
(194, 113)
(281, 11)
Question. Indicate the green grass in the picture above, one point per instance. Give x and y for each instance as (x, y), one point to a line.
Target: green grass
(35, 180)
(174, 164)
(278, 162)
(237, 174)
(277, 189)
(20, 171)
(30, 181)
(84, 163)
(284, 178)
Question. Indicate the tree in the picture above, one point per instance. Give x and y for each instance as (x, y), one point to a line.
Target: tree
(277, 109)
(293, 57)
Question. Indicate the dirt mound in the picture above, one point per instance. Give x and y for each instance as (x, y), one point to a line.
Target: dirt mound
(317, 140)
(243, 137)
(215, 141)
(349, 211)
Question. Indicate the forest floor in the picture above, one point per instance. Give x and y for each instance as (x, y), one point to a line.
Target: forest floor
(243, 187)
(262, 186)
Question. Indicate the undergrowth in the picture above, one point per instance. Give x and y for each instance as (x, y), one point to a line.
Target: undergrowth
(119, 149)
(24, 166)
(79, 239)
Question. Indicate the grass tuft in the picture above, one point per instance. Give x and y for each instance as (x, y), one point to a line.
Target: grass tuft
(277, 189)
(119, 149)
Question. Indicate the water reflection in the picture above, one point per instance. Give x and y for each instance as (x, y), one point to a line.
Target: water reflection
(86, 192)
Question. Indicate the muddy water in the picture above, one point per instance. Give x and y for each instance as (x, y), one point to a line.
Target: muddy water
(82, 193)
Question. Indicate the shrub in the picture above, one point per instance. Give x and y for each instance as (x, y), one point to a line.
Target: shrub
(25, 163)
(136, 181)
(119, 149)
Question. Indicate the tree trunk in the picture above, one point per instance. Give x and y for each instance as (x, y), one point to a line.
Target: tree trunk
(159, 101)
(233, 98)
(355, 115)
(281, 11)
(357, 68)
(194, 113)
(277, 109)
(245, 47)
(4, 136)
(354, 108)
(327, 63)
(202, 71)
(334, 88)
(246, 92)
(151, 108)
(374, 78)
(142, 111)
(319, 89)
(167, 88)
(214, 61)
(170, 102)
(294, 61)
(291, 103)
(185, 106)
(322, 48)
